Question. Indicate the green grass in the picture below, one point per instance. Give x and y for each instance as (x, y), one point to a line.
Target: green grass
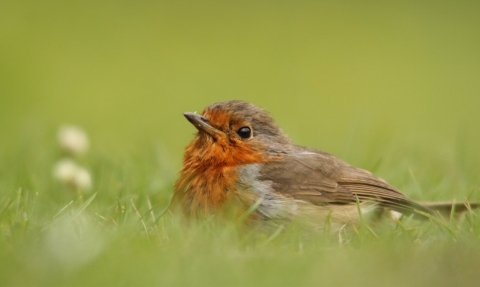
(392, 88)
(122, 234)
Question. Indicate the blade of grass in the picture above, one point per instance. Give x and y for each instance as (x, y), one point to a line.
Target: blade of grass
(140, 218)
(452, 215)
(274, 235)
(4, 210)
(439, 222)
(249, 211)
(63, 209)
(58, 218)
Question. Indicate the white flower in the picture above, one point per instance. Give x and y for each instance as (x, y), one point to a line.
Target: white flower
(65, 170)
(71, 175)
(82, 179)
(73, 139)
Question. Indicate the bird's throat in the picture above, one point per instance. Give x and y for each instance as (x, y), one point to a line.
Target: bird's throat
(209, 176)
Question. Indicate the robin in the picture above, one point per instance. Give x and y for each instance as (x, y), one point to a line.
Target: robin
(240, 158)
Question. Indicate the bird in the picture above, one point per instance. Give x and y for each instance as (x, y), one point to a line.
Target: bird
(241, 160)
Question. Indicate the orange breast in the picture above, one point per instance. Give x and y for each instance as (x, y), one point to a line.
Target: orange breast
(209, 176)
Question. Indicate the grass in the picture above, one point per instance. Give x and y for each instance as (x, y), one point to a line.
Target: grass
(392, 88)
(122, 234)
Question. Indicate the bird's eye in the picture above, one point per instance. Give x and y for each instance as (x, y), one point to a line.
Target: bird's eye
(244, 132)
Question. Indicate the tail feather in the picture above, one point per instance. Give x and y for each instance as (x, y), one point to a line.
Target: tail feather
(445, 208)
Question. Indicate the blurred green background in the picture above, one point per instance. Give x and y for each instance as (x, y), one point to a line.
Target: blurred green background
(391, 86)
(328, 72)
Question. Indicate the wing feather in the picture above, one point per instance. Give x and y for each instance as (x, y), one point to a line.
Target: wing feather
(320, 178)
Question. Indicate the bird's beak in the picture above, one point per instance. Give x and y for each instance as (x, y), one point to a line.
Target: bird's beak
(202, 124)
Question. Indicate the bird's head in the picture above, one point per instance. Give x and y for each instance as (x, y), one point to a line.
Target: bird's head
(233, 133)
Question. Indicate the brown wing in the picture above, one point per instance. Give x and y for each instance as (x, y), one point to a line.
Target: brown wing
(367, 187)
(321, 178)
